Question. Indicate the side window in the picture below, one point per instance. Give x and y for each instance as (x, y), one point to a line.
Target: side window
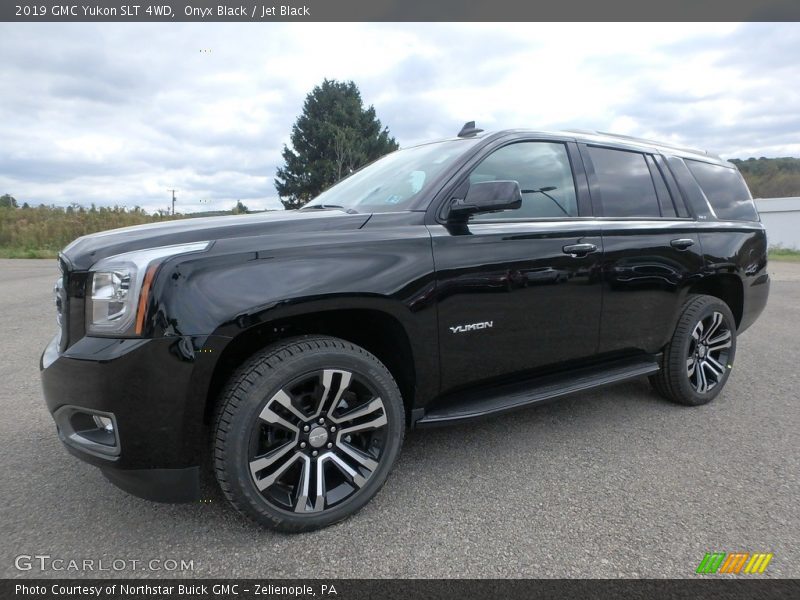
(624, 183)
(678, 200)
(544, 174)
(725, 190)
(662, 191)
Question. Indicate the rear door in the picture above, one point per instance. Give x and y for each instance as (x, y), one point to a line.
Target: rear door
(519, 289)
(651, 248)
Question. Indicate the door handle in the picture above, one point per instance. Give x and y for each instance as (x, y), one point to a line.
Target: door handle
(682, 244)
(579, 249)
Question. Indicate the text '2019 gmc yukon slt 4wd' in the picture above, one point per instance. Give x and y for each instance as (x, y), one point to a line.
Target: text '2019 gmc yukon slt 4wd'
(444, 282)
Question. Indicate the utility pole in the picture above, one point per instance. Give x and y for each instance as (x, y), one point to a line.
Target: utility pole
(173, 200)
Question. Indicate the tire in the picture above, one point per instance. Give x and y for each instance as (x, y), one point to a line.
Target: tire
(306, 408)
(698, 359)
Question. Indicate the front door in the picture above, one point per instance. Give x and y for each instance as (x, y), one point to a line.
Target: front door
(519, 289)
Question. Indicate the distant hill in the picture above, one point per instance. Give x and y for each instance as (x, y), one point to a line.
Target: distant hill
(771, 177)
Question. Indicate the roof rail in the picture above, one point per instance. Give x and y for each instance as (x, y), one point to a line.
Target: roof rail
(642, 141)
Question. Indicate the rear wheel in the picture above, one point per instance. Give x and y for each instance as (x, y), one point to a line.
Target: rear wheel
(699, 357)
(307, 433)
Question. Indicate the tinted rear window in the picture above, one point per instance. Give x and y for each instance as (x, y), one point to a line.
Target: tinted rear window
(624, 182)
(725, 190)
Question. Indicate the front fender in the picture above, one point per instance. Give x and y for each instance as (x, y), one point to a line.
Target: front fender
(245, 283)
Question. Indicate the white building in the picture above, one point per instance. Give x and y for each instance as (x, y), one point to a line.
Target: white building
(781, 217)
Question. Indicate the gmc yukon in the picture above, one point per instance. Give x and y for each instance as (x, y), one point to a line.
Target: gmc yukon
(444, 282)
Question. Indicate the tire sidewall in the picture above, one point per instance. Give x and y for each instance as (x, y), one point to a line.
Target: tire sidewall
(236, 459)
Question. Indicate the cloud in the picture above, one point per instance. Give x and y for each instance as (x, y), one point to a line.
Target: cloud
(119, 113)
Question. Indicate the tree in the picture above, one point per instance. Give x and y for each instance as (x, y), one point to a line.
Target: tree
(240, 208)
(771, 177)
(334, 136)
(8, 201)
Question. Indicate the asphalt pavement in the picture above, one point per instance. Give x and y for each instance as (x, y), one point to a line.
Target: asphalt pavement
(614, 483)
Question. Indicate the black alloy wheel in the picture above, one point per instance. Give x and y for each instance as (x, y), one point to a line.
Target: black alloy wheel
(698, 359)
(317, 441)
(709, 348)
(307, 433)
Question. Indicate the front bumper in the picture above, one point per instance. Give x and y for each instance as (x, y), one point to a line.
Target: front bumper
(153, 390)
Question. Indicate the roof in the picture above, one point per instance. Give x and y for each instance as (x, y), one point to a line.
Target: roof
(612, 139)
(599, 137)
(616, 138)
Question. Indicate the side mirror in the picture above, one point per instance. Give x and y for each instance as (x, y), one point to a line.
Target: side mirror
(487, 196)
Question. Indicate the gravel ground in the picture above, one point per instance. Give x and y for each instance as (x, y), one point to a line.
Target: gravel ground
(615, 483)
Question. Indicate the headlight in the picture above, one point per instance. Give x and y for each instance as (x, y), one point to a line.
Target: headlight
(58, 298)
(110, 296)
(120, 286)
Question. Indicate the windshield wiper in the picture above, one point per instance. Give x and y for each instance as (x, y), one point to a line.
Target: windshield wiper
(350, 211)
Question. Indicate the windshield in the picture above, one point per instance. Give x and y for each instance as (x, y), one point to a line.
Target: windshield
(394, 182)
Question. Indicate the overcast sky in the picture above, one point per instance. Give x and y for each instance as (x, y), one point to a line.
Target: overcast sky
(117, 113)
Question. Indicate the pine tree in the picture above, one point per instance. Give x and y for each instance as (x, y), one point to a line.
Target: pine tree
(8, 201)
(334, 136)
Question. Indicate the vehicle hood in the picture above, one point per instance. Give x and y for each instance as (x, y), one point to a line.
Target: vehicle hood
(85, 251)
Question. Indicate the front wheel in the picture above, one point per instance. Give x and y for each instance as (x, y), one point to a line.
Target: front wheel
(307, 433)
(699, 357)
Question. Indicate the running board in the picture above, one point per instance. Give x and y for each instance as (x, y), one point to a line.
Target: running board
(474, 404)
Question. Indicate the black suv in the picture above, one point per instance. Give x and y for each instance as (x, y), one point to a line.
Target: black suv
(444, 282)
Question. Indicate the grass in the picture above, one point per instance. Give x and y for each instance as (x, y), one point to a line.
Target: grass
(40, 232)
(785, 254)
(27, 253)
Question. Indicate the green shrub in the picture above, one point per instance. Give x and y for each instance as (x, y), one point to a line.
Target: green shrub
(34, 232)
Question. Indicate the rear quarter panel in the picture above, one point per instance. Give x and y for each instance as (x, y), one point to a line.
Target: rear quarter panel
(739, 248)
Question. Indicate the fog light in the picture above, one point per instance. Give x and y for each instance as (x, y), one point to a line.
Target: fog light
(89, 430)
(104, 423)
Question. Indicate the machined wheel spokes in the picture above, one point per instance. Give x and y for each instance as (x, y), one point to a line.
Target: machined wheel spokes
(708, 352)
(318, 441)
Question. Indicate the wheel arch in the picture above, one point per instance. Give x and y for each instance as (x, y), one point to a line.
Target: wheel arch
(377, 331)
(725, 286)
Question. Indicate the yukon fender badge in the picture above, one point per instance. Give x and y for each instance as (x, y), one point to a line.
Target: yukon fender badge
(472, 327)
